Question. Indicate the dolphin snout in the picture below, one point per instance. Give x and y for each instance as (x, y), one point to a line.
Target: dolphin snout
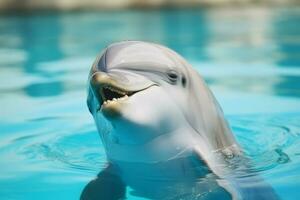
(97, 81)
(106, 88)
(100, 78)
(115, 87)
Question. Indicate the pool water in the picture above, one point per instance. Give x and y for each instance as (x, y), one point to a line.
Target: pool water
(49, 146)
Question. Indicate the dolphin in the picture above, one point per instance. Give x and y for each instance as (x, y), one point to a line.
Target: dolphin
(163, 131)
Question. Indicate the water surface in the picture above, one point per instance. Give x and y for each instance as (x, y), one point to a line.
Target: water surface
(49, 147)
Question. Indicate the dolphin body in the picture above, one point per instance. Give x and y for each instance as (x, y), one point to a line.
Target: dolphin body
(163, 131)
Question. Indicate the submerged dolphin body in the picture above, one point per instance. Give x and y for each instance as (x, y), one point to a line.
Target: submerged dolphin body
(163, 131)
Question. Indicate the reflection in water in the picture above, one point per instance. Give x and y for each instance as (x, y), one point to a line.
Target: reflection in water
(285, 31)
(44, 89)
(40, 39)
(223, 35)
(277, 85)
(48, 141)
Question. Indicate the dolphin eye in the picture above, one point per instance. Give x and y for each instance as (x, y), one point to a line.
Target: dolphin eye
(183, 81)
(172, 76)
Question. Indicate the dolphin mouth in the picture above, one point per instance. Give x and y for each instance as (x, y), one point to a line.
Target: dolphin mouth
(109, 93)
(112, 93)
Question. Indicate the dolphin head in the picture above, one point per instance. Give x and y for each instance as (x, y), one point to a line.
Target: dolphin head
(144, 90)
(136, 87)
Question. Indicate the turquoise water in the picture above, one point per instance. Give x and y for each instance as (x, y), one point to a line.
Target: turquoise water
(49, 147)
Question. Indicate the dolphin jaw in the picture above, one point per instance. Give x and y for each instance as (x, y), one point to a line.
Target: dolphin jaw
(110, 93)
(115, 100)
(110, 98)
(106, 89)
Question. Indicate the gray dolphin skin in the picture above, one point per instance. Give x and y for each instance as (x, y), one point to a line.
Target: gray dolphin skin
(164, 133)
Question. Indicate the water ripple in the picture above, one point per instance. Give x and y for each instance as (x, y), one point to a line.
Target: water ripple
(271, 143)
(68, 153)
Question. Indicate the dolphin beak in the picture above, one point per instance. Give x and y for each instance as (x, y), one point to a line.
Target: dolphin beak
(97, 81)
(106, 88)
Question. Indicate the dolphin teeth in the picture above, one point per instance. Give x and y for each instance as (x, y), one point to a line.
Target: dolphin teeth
(113, 94)
(115, 100)
(109, 92)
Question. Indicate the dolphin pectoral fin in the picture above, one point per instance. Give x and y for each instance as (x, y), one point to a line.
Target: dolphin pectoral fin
(107, 186)
(240, 182)
(247, 183)
(248, 187)
(253, 187)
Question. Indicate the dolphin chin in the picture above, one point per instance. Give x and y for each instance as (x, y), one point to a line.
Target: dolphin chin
(161, 127)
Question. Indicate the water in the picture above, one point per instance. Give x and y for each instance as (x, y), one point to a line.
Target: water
(49, 147)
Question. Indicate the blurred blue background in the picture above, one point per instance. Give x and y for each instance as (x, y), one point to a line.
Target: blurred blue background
(49, 147)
